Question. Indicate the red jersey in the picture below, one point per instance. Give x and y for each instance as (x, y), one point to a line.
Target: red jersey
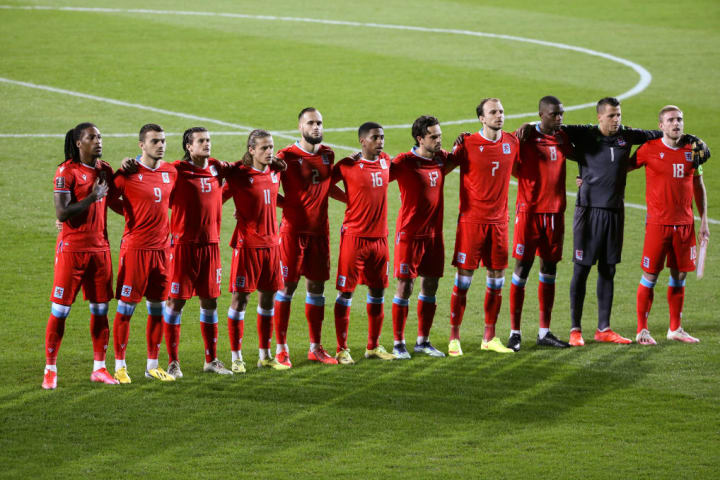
(197, 202)
(87, 231)
(485, 168)
(668, 182)
(255, 196)
(540, 171)
(366, 185)
(146, 200)
(306, 184)
(421, 183)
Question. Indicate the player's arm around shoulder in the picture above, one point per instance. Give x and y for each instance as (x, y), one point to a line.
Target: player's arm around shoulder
(638, 136)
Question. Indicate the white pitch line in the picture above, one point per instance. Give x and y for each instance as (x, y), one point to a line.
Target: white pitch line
(645, 76)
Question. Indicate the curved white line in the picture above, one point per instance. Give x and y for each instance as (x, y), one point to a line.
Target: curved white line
(645, 76)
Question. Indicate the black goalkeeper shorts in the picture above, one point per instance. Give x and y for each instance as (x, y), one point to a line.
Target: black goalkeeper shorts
(597, 235)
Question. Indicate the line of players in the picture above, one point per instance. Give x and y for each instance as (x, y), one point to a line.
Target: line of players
(177, 258)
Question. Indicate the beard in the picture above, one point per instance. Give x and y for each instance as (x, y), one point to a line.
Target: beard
(312, 140)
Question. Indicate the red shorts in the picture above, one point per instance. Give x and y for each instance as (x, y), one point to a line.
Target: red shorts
(256, 269)
(420, 256)
(364, 260)
(538, 234)
(676, 242)
(196, 270)
(305, 254)
(481, 244)
(91, 270)
(143, 273)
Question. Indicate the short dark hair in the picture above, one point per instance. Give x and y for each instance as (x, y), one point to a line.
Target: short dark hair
(366, 127)
(479, 109)
(71, 138)
(188, 138)
(420, 126)
(149, 127)
(548, 100)
(612, 101)
(306, 110)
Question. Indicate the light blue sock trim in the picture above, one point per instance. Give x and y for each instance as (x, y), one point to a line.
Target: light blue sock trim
(59, 311)
(315, 299)
(518, 281)
(495, 283)
(235, 315)
(647, 283)
(549, 279)
(265, 313)
(126, 308)
(462, 282)
(99, 308)
(346, 302)
(426, 299)
(375, 300)
(208, 316)
(171, 317)
(675, 283)
(155, 308)
(403, 302)
(281, 297)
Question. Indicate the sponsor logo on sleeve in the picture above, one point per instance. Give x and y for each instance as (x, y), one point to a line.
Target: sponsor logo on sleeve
(58, 292)
(506, 148)
(125, 291)
(60, 182)
(578, 254)
(461, 257)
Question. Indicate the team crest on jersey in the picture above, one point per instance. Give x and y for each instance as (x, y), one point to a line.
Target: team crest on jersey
(688, 156)
(383, 164)
(175, 288)
(165, 177)
(325, 159)
(213, 171)
(578, 254)
(60, 182)
(274, 177)
(461, 257)
(506, 148)
(404, 268)
(240, 281)
(126, 291)
(520, 249)
(621, 142)
(341, 280)
(59, 292)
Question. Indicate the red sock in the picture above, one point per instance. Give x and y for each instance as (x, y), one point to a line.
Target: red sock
(546, 300)
(342, 322)
(517, 297)
(53, 338)
(645, 297)
(153, 335)
(399, 318)
(426, 315)
(457, 310)
(172, 334)
(281, 319)
(493, 301)
(236, 329)
(315, 315)
(121, 334)
(209, 334)
(100, 334)
(676, 298)
(376, 315)
(264, 326)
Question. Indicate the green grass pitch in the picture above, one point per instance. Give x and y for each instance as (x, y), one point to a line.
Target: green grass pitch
(597, 412)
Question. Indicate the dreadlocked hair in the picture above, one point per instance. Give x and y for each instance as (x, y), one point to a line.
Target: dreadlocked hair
(188, 138)
(251, 141)
(71, 138)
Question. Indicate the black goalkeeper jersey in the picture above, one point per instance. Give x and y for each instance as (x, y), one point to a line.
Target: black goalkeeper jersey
(603, 162)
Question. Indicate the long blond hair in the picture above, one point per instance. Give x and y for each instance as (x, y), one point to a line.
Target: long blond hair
(256, 134)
